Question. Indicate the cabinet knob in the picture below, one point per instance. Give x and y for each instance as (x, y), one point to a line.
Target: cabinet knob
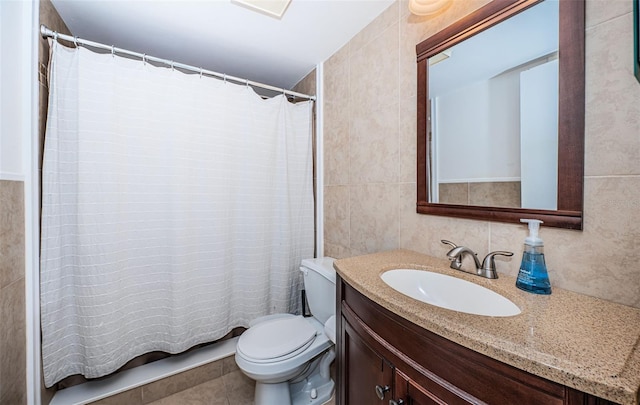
(398, 402)
(380, 391)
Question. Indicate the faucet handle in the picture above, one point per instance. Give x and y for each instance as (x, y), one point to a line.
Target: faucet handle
(456, 262)
(489, 263)
(446, 242)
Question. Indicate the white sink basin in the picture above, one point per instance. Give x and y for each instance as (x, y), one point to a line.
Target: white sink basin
(449, 292)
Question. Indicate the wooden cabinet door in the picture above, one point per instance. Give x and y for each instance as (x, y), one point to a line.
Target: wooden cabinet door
(364, 371)
(408, 392)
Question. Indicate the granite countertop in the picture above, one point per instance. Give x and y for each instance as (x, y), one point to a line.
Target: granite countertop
(582, 342)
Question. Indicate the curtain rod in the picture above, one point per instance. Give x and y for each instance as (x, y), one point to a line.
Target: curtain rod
(46, 32)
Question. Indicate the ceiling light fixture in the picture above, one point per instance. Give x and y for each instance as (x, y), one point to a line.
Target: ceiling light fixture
(427, 7)
(272, 8)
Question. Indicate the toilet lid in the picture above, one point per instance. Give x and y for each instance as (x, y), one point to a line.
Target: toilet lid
(276, 338)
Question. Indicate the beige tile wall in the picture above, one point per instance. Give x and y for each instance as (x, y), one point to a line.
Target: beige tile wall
(166, 387)
(307, 85)
(492, 194)
(370, 156)
(13, 389)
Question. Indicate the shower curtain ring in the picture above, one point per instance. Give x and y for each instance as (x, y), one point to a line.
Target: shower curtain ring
(113, 50)
(224, 78)
(172, 66)
(201, 73)
(144, 58)
(75, 41)
(55, 36)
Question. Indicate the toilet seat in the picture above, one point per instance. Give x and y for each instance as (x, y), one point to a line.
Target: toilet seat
(276, 340)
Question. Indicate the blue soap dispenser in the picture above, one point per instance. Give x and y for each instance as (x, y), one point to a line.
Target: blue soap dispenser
(533, 276)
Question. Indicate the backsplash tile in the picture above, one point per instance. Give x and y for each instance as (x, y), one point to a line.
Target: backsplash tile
(423, 233)
(382, 207)
(602, 260)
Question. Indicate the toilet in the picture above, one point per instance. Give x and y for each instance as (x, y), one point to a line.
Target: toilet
(289, 356)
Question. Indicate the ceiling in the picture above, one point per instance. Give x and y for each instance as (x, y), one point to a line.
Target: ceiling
(223, 36)
(498, 49)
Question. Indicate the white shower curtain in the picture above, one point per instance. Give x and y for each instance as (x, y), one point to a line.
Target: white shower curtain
(174, 208)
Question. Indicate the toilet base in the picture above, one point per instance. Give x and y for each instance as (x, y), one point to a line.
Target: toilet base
(272, 393)
(314, 387)
(301, 393)
(295, 394)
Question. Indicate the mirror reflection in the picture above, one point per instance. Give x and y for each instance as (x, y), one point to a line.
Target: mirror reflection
(493, 102)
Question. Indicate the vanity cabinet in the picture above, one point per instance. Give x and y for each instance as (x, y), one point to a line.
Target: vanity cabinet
(381, 354)
(364, 368)
(412, 392)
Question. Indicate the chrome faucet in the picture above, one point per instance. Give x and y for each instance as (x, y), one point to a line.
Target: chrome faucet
(485, 269)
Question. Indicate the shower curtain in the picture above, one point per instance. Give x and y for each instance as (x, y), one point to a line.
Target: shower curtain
(175, 207)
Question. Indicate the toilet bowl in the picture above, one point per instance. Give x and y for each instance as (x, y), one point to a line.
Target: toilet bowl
(288, 355)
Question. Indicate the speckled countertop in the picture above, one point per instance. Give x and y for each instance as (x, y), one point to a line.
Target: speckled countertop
(583, 342)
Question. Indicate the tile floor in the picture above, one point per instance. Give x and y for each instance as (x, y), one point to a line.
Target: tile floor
(236, 389)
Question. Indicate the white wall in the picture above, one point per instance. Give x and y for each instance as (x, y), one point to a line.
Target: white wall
(19, 152)
(478, 132)
(539, 136)
(12, 87)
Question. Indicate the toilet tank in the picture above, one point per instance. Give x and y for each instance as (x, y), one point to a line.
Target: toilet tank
(320, 286)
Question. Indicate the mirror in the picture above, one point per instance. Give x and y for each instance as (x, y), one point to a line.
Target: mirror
(494, 106)
(501, 114)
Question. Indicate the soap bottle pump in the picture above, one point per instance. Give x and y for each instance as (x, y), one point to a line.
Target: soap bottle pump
(533, 276)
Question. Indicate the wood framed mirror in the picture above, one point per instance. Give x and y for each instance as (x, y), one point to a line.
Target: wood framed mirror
(567, 212)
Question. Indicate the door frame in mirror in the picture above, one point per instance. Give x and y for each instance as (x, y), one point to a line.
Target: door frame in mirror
(571, 113)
